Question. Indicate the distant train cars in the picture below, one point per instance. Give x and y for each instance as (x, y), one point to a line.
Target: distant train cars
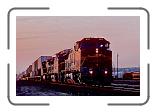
(131, 76)
(89, 62)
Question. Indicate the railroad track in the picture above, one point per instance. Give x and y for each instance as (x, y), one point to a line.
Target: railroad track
(118, 89)
(115, 89)
(126, 87)
(121, 87)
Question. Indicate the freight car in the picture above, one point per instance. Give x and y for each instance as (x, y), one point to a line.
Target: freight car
(39, 68)
(131, 76)
(89, 62)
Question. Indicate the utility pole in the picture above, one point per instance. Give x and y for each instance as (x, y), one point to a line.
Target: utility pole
(117, 64)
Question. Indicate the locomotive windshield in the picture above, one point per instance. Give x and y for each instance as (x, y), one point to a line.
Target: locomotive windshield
(88, 43)
(92, 46)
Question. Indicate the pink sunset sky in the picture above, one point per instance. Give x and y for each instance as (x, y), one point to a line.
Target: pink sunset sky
(47, 35)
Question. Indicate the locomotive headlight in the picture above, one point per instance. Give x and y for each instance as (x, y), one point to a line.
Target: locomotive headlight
(106, 71)
(97, 50)
(101, 45)
(91, 72)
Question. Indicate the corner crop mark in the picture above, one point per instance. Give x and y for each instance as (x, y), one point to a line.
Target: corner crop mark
(19, 8)
(8, 47)
(148, 19)
(148, 93)
(19, 104)
(148, 48)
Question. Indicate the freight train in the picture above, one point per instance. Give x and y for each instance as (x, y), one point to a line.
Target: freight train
(88, 62)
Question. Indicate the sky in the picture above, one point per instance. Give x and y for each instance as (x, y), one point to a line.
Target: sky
(46, 35)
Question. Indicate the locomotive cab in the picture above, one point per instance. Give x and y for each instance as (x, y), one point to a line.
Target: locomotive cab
(96, 61)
